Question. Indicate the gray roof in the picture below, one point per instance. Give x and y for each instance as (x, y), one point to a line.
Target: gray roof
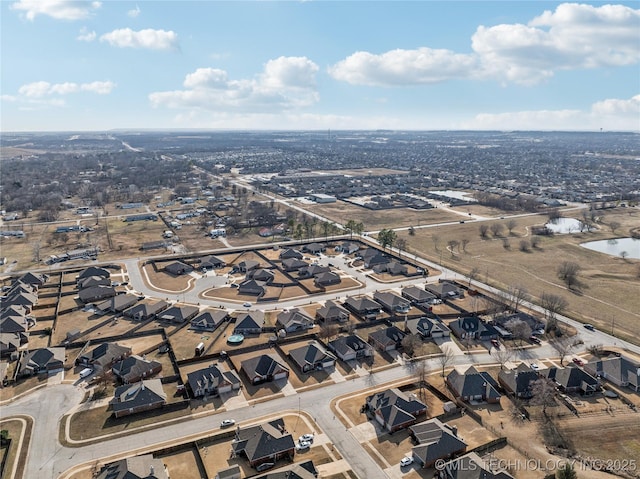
(332, 310)
(249, 320)
(294, 319)
(425, 326)
(435, 441)
(264, 440)
(119, 302)
(134, 366)
(310, 354)
(179, 313)
(106, 353)
(211, 377)
(620, 369)
(471, 466)
(263, 365)
(363, 303)
(387, 336)
(518, 380)
(143, 393)
(138, 467)
(346, 344)
(474, 383)
(146, 310)
(209, 320)
(414, 293)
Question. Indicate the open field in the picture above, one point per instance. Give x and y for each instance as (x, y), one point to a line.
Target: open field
(609, 283)
(341, 212)
(184, 464)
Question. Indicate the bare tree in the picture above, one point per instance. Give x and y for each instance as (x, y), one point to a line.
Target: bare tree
(421, 372)
(525, 246)
(496, 229)
(473, 274)
(614, 225)
(568, 272)
(328, 330)
(511, 224)
(484, 229)
(519, 329)
(516, 295)
(436, 242)
(553, 306)
(506, 244)
(563, 347)
(535, 241)
(35, 247)
(543, 393)
(503, 355)
(446, 358)
(401, 244)
(411, 343)
(464, 242)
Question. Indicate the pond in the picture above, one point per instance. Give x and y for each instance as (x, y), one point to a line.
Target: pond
(616, 246)
(564, 225)
(458, 195)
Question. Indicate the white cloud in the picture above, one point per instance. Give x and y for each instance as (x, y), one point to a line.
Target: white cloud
(85, 35)
(574, 36)
(133, 13)
(148, 38)
(286, 83)
(404, 67)
(611, 114)
(42, 89)
(58, 9)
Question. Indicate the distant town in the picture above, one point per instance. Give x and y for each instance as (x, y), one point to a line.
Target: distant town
(333, 304)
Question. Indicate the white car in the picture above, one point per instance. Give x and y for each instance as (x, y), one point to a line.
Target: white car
(302, 445)
(227, 422)
(405, 461)
(306, 438)
(247, 305)
(534, 366)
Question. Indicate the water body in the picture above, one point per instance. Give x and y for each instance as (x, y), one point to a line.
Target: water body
(564, 225)
(458, 195)
(616, 246)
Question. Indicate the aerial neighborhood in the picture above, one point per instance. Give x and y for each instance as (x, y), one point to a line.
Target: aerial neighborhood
(329, 315)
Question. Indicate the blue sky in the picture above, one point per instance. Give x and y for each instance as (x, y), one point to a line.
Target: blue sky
(90, 65)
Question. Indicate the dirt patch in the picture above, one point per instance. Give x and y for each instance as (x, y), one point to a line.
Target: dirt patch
(184, 464)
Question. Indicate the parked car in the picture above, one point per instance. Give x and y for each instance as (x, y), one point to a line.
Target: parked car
(405, 461)
(247, 305)
(590, 327)
(534, 366)
(302, 445)
(495, 343)
(227, 422)
(578, 361)
(264, 466)
(306, 437)
(534, 340)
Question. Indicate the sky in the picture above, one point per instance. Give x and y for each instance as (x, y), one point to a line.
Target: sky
(73, 65)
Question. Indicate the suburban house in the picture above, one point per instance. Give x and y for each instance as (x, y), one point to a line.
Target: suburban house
(312, 270)
(135, 368)
(212, 380)
(392, 303)
(394, 268)
(290, 253)
(211, 262)
(267, 442)
(293, 264)
(297, 470)
(435, 440)
(350, 347)
(394, 410)
(323, 280)
(232, 472)
(518, 381)
(444, 290)
(117, 304)
(473, 327)
(43, 360)
(93, 271)
(252, 287)
(261, 274)
(372, 257)
(16, 326)
(312, 356)
(264, 368)
(332, 312)
(473, 386)
(293, 320)
(348, 247)
(103, 356)
(572, 380)
(621, 371)
(471, 466)
(426, 327)
(178, 268)
(363, 306)
(96, 293)
(90, 281)
(144, 311)
(387, 339)
(142, 396)
(209, 320)
(9, 343)
(137, 467)
(246, 265)
(250, 322)
(33, 279)
(418, 296)
(178, 313)
(313, 248)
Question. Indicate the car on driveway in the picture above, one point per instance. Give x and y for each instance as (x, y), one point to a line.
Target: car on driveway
(227, 422)
(406, 461)
(578, 361)
(534, 340)
(302, 445)
(306, 437)
(534, 366)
